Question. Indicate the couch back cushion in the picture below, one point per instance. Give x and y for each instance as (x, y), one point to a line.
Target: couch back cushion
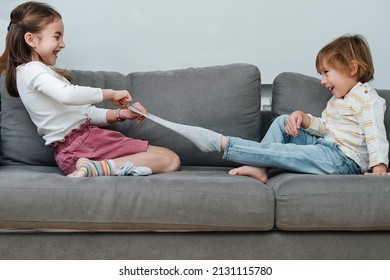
(225, 99)
(20, 142)
(222, 98)
(293, 91)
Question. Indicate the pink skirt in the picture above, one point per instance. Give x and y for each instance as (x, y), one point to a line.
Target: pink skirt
(93, 143)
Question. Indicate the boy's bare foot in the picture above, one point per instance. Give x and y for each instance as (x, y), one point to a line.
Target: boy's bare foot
(259, 173)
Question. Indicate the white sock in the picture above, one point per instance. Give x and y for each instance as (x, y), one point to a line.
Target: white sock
(129, 169)
(206, 140)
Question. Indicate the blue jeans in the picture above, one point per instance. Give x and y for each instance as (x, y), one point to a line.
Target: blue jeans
(305, 153)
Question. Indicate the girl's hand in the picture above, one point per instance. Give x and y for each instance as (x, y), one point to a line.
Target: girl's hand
(120, 98)
(127, 114)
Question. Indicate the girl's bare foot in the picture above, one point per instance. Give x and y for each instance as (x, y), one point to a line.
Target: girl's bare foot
(259, 173)
(76, 173)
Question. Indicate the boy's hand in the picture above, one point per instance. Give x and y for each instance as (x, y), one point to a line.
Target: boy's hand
(293, 123)
(380, 170)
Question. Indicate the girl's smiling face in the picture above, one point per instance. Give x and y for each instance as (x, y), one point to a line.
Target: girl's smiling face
(47, 43)
(337, 82)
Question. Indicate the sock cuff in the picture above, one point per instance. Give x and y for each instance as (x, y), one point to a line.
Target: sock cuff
(92, 168)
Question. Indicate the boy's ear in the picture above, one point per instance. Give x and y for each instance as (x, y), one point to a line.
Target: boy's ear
(353, 68)
(29, 38)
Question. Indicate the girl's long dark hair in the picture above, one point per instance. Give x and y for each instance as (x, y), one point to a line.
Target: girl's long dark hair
(27, 17)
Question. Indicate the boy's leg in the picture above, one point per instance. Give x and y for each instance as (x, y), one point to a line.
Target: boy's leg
(277, 134)
(259, 173)
(206, 140)
(314, 159)
(269, 153)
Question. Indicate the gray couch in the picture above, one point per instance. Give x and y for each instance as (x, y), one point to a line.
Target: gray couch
(199, 212)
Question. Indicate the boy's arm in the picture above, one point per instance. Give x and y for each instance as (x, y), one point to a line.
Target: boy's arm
(371, 120)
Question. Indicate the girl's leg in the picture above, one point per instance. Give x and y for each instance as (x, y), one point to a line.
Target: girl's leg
(158, 159)
(153, 160)
(91, 168)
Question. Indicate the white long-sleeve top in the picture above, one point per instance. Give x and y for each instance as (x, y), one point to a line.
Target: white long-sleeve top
(55, 105)
(356, 124)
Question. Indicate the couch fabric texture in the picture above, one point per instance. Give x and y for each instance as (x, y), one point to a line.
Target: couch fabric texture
(200, 208)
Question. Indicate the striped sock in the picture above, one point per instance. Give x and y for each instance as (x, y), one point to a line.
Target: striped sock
(92, 168)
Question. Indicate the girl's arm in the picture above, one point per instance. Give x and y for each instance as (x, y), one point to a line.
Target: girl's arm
(122, 114)
(43, 79)
(102, 117)
(120, 98)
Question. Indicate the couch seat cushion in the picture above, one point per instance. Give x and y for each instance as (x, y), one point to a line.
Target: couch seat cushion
(331, 202)
(194, 199)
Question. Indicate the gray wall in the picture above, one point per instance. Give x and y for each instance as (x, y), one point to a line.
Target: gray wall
(275, 35)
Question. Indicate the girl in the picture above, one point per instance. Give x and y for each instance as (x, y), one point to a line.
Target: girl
(349, 138)
(62, 111)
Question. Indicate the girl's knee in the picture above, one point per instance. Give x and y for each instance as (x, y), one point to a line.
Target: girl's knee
(170, 158)
(173, 160)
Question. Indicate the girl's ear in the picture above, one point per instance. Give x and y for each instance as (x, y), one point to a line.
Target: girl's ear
(353, 68)
(30, 39)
